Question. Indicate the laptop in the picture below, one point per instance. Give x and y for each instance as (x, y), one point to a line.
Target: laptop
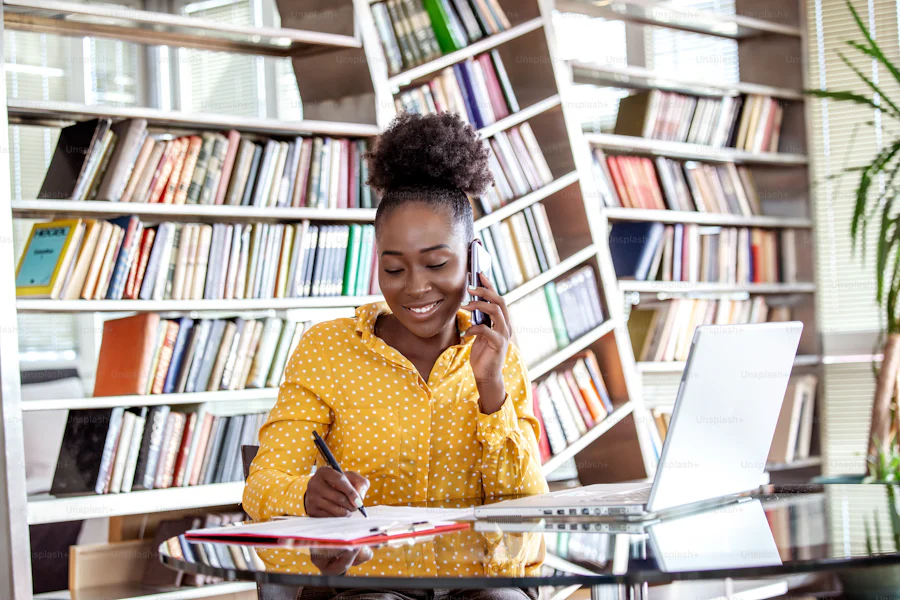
(718, 438)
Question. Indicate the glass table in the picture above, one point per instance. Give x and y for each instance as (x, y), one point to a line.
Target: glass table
(777, 532)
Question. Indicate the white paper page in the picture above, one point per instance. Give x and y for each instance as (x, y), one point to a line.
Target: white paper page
(344, 529)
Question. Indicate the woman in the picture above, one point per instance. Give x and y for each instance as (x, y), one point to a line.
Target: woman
(415, 403)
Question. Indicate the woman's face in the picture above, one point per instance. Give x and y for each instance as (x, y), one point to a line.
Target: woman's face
(422, 267)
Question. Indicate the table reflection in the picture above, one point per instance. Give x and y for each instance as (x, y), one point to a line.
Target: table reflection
(782, 530)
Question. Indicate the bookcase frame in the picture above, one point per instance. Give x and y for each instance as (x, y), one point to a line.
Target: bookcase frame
(761, 44)
(355, 101)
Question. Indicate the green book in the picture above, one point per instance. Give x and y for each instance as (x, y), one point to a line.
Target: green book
(559, 326)
(443, 27)
(365, 192)
(352, 266)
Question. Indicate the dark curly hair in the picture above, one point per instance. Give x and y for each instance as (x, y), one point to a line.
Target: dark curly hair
(434, 159)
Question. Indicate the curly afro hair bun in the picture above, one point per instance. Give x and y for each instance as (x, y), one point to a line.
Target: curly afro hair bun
(433, 150)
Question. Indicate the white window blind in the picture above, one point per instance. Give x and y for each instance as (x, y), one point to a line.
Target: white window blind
(580, 37)
(223, 82)
(288, 103)
(841, 138)
(693, 55)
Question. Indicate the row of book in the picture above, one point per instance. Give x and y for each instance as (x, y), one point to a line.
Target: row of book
(144, 354)
(147, 448)
(125, 259)
(124, 162)
(662, 331)
(413, 32)
(518, 166)
(666, 184)
(793, 433)
(569, 402)
(170, 535)
(551, 318)
(523, 247)
(752, 122)
(700, 253)
(477, 89)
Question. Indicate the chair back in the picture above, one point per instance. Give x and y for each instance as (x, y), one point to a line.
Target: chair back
(248, 453)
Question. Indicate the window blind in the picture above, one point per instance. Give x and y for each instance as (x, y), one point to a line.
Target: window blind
(693, 55)
(580, 37)
(842, 137)
(222, 82)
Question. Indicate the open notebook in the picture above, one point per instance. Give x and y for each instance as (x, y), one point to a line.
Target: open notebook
(385, 523)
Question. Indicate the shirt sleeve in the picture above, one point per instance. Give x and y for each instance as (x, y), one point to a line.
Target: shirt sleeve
(510, 460)
(282, 468)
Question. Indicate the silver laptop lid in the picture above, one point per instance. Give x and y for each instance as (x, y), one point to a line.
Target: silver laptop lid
(725, 412)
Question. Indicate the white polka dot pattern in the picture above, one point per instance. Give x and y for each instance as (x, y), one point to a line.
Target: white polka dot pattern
(414, 440)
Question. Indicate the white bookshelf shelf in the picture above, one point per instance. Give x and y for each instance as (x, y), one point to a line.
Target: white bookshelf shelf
(684, 150)
(550, 274)
(158, 28)
(801, 463)
(184, 306)
(583, 442)
(483, 45)
(687, 287)
(641, 78)
(527, 200)
(671, 16)
(678, 366)
(47, 112)
(47, 509)
(136, 591)
(264, 394)
(551, 362)
(183, 212)
(520, 117)
(704, 218)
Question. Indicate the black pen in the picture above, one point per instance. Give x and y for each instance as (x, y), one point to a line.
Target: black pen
(323, 448)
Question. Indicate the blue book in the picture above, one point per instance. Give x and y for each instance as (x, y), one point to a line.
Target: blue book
(465, 88)
(132, 227)
(678, 243)
(632, 246)
(184, 328)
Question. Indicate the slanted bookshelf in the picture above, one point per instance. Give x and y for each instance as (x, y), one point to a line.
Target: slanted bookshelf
(546, 237)
(702, 167)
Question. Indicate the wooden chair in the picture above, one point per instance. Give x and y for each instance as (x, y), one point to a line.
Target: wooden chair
(266, 591)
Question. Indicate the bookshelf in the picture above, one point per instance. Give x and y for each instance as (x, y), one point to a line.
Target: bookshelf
(771, 62)
(357, 101)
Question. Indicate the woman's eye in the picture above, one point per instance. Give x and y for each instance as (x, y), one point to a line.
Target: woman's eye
(437, 266)
(393, 271)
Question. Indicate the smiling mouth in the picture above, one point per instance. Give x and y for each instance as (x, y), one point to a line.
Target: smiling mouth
(424, 311)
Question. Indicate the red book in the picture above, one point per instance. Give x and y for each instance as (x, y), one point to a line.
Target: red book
(186, 438)
(234, 140)
(146, 245)
(543, 443)
(650, 173)
(495, 93)
(619, 182)
(569, 380)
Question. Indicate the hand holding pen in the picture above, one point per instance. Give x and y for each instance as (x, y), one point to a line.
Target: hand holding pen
(333, 492)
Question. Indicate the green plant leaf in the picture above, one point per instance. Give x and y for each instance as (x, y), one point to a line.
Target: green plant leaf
(845, 97)
(873, 45)
(894, 112)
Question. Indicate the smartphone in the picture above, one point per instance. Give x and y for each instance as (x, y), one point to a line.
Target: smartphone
(479, 262)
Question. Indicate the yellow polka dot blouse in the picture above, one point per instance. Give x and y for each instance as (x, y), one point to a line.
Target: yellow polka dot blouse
(414, 440)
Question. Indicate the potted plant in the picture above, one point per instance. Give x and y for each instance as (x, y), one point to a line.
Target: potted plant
(876, 206)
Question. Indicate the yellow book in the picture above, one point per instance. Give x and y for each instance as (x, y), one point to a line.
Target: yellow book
(73, 287)
(106, 231)
(49, 252)
(284, 260)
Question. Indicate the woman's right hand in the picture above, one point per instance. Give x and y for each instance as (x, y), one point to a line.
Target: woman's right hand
(331, 494)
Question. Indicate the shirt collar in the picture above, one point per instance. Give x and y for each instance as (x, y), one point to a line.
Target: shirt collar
(367, 314)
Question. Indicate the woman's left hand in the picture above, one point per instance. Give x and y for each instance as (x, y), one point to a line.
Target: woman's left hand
(491, 343)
